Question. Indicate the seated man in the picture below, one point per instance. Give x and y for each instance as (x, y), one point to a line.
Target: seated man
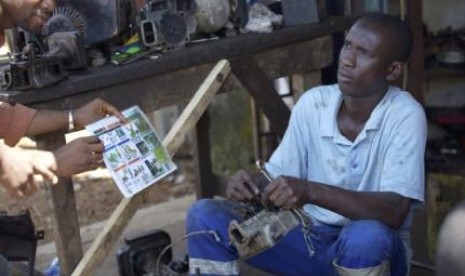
(352, 157)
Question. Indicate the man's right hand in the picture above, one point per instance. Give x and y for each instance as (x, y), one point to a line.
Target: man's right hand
(18, 168)
(80, 155)
(241, 187)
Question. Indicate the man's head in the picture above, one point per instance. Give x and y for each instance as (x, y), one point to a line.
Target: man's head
(374, 52)
(28, 14)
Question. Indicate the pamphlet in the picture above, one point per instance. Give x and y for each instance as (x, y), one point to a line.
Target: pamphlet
(133, 153)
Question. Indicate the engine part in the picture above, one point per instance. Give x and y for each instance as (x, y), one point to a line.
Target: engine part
(69, 48)
(265, 225)
(28, 68)
(212, 15)
(261, 231)
(65, 19)
(167, 24)
(37, 73)
(64, 33)
(110, 19)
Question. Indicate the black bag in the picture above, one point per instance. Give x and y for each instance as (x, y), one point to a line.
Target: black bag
(18, 238)
(138, 255)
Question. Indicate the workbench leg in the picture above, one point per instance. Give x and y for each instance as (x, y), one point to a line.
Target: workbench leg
(62, 206)
(205, 186)
(255, 81)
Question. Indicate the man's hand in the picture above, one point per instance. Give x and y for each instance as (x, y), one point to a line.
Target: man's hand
(286, 192)
(241, 187)
(18, 168)
(94, 111)
(82, 154)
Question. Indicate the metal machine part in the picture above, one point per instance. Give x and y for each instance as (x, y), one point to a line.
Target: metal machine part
(261, 231)
(27, 68)
(265, 225)
(212, 15)
(31, 74)
(64, 34)
(39, 61)
(167, 24)
(111, 20)
(65, 19)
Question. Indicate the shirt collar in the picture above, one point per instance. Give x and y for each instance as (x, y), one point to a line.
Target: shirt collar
(328, 124)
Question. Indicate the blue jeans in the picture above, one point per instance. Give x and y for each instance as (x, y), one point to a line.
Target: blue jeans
(359, 244)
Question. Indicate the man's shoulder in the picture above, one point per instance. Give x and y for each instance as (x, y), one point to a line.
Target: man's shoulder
(403, 101)
(403, 107)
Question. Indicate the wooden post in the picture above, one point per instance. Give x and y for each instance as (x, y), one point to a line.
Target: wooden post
(416, 69)
(173, 140)
(62, 204)
(261, 89)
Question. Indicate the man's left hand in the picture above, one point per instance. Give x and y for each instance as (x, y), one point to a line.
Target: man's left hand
(82, 154)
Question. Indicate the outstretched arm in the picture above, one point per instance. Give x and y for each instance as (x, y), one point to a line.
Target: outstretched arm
(50, 120)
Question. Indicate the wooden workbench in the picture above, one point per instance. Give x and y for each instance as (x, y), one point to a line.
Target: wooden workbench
(172, 79)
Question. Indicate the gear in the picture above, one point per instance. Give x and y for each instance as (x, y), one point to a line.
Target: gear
(65, 18)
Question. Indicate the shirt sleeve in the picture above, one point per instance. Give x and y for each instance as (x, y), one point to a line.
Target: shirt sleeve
(403, 169)
(14, 121)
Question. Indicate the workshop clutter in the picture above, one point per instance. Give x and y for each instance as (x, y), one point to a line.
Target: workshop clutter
(93, 32)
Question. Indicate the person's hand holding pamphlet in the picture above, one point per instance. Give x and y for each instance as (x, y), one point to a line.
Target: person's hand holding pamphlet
(133, 154)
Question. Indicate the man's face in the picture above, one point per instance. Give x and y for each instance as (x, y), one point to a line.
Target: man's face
(363, 62)
(31, 15)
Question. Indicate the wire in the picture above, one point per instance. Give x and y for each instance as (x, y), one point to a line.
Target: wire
(203, 232)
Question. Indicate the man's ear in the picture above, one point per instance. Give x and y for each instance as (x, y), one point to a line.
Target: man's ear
(395, 70)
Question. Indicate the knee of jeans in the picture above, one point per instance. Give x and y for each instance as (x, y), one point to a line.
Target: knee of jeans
(368, 236)
(200, 210)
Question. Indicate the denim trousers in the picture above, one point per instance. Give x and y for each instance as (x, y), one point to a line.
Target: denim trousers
(359, 244)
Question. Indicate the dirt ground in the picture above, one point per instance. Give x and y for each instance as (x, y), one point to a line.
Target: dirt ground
(97, 196)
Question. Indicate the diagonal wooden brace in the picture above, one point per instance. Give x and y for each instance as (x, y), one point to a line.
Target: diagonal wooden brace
(173, 140)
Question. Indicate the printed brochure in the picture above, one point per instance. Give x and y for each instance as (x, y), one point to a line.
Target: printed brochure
(133, 152)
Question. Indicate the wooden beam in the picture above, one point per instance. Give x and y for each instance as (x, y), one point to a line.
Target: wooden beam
(173, 140)
(262, 90)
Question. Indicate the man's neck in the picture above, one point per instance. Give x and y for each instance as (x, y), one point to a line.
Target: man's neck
(359, 109)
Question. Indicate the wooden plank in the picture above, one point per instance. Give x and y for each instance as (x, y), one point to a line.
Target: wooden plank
(173, 140)
(205, 183)
(62, 204)
(261, 89)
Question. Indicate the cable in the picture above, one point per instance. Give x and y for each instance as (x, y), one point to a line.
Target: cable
(217, 239)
